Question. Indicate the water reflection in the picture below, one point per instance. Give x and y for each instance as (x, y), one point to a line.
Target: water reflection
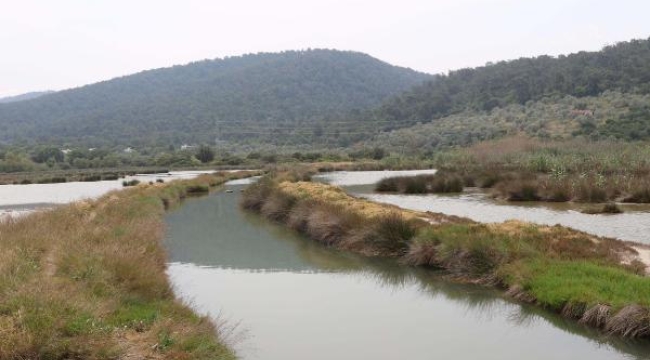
(298, 299)
(61, 193)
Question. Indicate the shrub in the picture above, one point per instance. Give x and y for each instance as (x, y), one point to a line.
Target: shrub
(255, 195)
(53, 180)
(91, 178)
(387, 185)
(415, 185)
(133, 182)
(277, 206)
(639, 195)
(391, 234)
(609, 208)
(197, 189)
(520, 191)
(421, 184)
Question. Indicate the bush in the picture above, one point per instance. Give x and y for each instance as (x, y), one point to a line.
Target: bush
(609, 208)
(421, 184)
(53, 180)
(91, 178)
(277, 206)
(197, 189)
(133, 182)
(415, 185)
(391, 234)
(205, 154)
(518, 190)
(254, 197)
(387, 185)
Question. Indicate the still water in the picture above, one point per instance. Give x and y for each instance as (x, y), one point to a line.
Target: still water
(285, 297)
(633, 225)
(17, 200)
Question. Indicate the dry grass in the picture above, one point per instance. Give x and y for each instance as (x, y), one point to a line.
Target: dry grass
(336, 196)
(87, 280)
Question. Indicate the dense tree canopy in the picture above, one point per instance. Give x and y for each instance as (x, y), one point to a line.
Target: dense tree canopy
(610, 116)
(331, 99)
(623, 67)
(207, 100)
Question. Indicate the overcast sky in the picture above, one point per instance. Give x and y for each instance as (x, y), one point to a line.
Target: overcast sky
(67, 43)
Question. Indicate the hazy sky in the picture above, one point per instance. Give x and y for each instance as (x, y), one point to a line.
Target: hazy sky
(66, 43)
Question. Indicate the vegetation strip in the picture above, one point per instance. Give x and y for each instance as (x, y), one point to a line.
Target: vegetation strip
(87, 280)
(519, 168)
(597, 281)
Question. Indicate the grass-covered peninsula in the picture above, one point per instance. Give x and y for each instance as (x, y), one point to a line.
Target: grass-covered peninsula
(87, 281)
(597, 281)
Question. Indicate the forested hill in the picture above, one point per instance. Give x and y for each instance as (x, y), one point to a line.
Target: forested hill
(23, 97)
(192, 103)
(624, 68)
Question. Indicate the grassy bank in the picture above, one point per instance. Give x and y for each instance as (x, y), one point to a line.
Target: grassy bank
(87, 280)
(597, 281)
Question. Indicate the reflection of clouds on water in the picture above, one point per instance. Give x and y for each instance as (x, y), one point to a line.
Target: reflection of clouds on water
(281, 309)
(245, 181)
(31, 196)
(349, 178)
(632, 225)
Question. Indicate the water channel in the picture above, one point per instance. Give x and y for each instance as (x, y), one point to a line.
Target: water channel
(282, 296)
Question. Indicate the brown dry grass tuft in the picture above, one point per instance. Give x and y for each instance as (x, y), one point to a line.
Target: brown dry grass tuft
(597, 316)
(631, 321)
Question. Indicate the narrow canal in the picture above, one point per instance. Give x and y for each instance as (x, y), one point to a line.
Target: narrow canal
(282, 296)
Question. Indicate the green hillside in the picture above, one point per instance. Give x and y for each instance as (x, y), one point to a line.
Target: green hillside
(590, 94)
(232, 98)
(23, 97)
(611, 115)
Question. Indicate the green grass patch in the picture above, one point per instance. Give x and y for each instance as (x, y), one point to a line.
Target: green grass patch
(555, 283)
(82, 323)
(135, 313)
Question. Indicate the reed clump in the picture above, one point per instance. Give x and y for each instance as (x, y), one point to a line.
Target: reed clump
(52, 180)
(608, 208)
(198, 189)
(133, 182)
(421, 184)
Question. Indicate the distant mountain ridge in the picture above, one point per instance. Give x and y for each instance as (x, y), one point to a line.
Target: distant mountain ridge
(329, 98)
(25, 96)
(192, 103)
